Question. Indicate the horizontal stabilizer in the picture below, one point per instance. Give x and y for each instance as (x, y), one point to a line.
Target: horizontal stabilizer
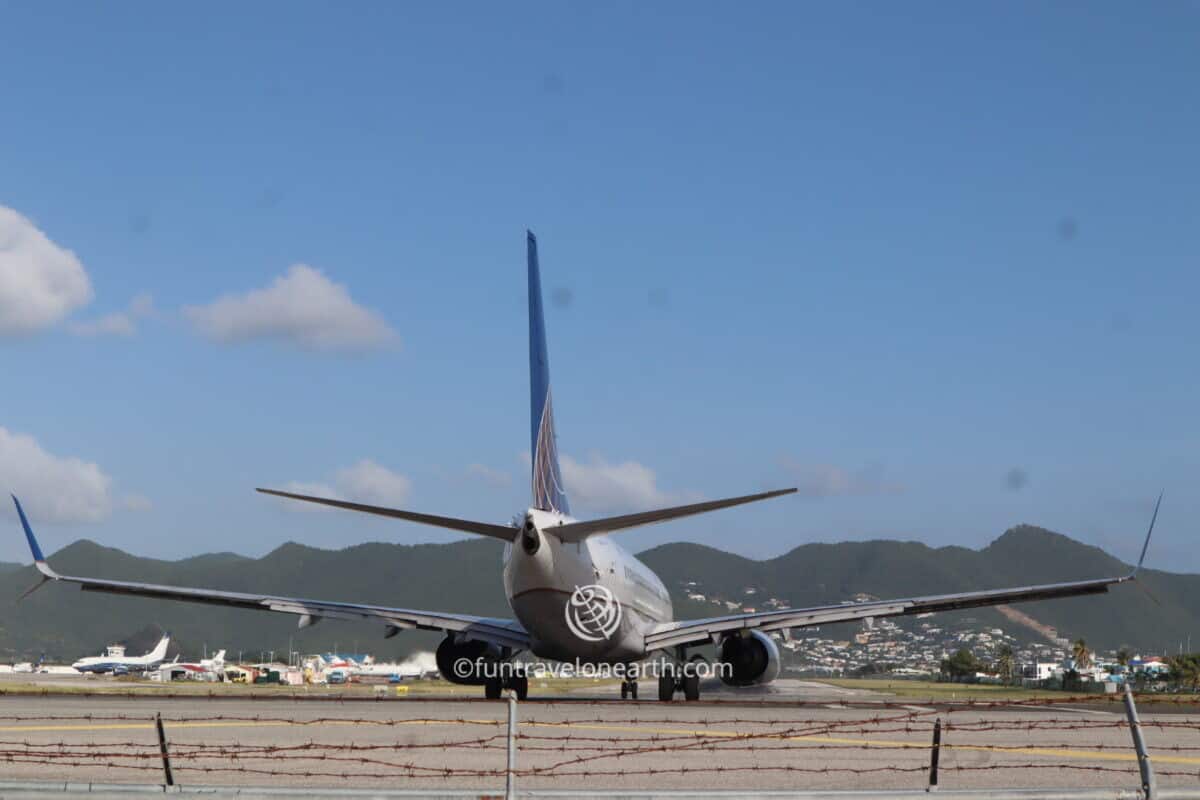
(578, 531)
(502, 532)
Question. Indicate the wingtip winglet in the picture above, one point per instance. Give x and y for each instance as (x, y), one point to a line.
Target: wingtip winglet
(34, 547)
(1149, 531)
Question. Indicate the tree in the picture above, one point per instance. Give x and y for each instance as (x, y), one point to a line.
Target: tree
(1185, 670)
(1081, 654)
(1124, 656)
(1004, 663)
(962, 664)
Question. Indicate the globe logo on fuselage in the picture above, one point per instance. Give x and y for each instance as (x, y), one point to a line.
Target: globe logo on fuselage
(593, 613)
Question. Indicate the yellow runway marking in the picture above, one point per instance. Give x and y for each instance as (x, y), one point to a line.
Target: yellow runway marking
(140, 726)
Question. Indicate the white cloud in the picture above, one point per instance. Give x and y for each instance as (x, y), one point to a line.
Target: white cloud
(369, 482)
(826, 480)
(301, 307)
(52, 488)
(603, 487)
(497, 478)
(119, 323)
(40, 282)
(365, 482)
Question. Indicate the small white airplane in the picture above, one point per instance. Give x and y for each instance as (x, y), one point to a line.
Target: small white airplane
(115, 661)
(204, 668)
(419, 666)
(576, 593)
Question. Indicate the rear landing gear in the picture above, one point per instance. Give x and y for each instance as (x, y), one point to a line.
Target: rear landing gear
(684, 678)
(629, 690)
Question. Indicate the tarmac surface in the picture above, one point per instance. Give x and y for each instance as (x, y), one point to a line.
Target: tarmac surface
(797, 735)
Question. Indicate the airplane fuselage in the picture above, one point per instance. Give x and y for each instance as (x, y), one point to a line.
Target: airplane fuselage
(542, 574)
(103, 665)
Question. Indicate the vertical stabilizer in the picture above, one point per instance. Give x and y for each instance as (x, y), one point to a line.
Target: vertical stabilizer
(548, 492)
(160, 650)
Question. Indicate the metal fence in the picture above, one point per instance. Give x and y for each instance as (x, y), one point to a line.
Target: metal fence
(557, 749)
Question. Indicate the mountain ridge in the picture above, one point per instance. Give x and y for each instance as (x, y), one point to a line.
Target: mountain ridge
(464, 577)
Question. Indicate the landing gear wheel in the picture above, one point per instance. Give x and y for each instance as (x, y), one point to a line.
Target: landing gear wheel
(666, 688)
(624, 690)
(520, 685)
(629, 690)
(633, 690)
(691, 687)
(491, 689)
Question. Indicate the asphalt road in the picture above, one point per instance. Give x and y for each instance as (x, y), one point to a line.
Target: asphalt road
(740, 742)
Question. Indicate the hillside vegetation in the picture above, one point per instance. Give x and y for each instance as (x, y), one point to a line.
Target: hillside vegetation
(464, 576)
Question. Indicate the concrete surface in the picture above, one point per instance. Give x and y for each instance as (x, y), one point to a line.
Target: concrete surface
(428, 743)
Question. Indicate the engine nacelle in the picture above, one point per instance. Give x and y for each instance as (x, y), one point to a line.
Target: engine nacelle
(453, 655)
(751, 659)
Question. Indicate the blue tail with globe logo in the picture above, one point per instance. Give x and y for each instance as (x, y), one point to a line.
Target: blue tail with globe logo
(548, 491)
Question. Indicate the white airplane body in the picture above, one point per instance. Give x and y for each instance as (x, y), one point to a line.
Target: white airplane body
(205, 666)
(577, 595)
(115, 660)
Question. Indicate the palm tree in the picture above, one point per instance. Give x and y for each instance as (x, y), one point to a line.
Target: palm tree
(1081, 654)
(1004, 663)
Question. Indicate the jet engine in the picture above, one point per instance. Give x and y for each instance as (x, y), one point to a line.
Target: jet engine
(459, 661)
(748, 659)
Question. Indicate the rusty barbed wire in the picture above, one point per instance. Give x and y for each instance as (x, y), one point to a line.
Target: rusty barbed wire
(577, 747)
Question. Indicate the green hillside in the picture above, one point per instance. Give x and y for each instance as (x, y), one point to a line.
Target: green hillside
(65, 623)
(813, 574)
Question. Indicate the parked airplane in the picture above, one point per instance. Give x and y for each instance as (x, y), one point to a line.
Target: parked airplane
(115, 661)
(418, 666)
(29, 666)
(206, 668)
(576, 593)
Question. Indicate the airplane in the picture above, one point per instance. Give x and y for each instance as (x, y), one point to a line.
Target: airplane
(575, 592)
(419, 666)
(115, 661)
(29, 666)
(205, 668)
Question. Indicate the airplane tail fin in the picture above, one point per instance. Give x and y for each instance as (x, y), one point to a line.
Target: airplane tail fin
(219, 657)
(160, 650)
(548, 491)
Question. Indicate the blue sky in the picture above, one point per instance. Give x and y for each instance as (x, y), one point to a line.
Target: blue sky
(935, 265)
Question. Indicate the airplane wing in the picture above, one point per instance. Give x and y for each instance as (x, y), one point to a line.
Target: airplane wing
(503, 632)
(700, 631)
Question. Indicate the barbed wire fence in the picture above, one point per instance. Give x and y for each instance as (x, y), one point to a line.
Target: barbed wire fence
(923, 747)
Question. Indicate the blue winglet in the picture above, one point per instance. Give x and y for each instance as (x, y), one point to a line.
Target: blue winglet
(33, 543)
(1146, 544)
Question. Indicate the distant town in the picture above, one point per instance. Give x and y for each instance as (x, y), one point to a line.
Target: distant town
(934, 646)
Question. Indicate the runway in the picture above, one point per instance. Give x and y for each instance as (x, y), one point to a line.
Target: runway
(801, 735)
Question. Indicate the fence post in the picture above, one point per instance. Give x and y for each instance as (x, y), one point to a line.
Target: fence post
(1149, 786)
(934, 752)
(510, 781)
(162, 747)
